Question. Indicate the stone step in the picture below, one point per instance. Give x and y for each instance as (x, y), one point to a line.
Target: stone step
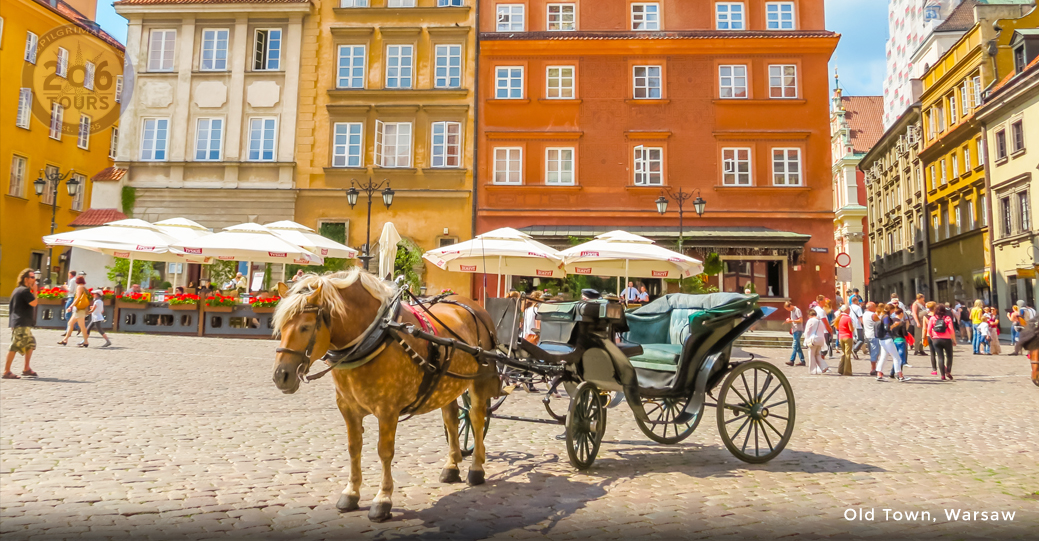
(764, 339)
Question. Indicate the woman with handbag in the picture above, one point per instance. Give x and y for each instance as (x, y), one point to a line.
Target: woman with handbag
(943, 337)
(78, 311)
(813, 342)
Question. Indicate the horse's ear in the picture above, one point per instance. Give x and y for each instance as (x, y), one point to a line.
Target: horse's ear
(283, 290)
(315, 297)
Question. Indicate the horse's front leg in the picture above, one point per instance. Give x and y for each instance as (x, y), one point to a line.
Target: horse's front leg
(354, 430)
(380, 510)
(482, 391)
(454, 452)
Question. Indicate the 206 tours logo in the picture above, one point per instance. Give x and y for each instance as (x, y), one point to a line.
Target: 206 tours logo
(78, 71)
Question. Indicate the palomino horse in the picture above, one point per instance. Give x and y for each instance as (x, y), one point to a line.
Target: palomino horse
(338, 311)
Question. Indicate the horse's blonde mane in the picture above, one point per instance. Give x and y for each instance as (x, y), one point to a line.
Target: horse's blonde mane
(293, 304)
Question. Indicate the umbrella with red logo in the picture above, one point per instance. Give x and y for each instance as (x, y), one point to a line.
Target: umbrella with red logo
(619, 253)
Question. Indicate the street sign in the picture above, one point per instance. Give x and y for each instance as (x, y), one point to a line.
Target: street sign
(843, 259)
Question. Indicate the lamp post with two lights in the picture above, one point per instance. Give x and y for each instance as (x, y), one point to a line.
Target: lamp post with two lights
(369, 188)
(680, 197)
(53, 179)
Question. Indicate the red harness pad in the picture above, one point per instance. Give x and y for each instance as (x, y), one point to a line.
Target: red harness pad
(426, 325)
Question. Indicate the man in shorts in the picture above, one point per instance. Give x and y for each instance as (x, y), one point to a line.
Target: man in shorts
(23, 301)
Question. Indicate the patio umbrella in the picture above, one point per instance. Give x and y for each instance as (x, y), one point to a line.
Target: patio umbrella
(183, 229)
(248, 242)
(619, 253)
(388, 250)
(304, 236)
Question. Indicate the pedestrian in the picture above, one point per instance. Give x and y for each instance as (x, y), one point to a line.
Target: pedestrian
(895, 302)
(630, 293)
(813, 340)
(919, 320)
(845, 335)
(21, 321)
(975, 320)
(981, 335)
(839, 298)
(887, 342)
(80, 304)
(70, 288)
(796, 321)
(870, 321)
(97, 318)
(940, 331)
(824, 317)
(900, 336)
(931, 307)
(993, 328)
(855, 295)
(1025, 314)
(855, 309)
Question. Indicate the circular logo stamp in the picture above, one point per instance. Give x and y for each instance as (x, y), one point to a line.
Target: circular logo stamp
(82, 72)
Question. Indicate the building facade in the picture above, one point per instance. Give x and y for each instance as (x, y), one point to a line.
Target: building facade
(590, 110)
(46, 128)
(855, 126)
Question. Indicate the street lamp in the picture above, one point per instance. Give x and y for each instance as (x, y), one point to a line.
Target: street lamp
(369, 189)
(680, 197)
(40, 185)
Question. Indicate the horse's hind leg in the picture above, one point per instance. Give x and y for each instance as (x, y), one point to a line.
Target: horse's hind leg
(454, 453)
(381, 505)
(482, 391)
(354, 428)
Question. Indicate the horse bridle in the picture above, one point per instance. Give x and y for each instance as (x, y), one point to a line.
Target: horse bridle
(323, 317)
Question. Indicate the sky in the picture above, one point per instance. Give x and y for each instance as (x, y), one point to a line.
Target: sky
(859, 57)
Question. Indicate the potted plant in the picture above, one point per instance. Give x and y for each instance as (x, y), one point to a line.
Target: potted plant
(221, 303)
(133, 301)
(264, 305)
(183, 302)
(51, 296)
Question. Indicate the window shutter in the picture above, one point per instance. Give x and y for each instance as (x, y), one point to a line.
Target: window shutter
(378, 142)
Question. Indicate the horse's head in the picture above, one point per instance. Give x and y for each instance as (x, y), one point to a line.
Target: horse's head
(305, 335)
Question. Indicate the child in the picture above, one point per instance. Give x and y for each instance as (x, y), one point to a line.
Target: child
(97, 317)
(983, 331)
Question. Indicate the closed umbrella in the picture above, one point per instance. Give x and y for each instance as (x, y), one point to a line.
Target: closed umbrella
(619, 253)
(304, 236)
(388, 250)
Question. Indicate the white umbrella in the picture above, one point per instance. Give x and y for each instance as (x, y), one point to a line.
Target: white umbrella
(304, 236)
(248, 242)
(182, 229)
(388, 250)
(619, 253)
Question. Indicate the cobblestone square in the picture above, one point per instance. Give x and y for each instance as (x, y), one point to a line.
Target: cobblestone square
(187, 438)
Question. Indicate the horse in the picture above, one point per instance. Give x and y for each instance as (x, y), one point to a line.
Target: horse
(333, 312)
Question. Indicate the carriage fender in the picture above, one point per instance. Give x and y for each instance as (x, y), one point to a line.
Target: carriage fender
(607, 367)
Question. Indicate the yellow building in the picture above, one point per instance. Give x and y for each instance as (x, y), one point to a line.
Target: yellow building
(59, 114)
(386, 93)
(953, 154)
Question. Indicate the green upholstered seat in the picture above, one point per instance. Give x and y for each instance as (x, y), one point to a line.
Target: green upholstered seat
(658, 357)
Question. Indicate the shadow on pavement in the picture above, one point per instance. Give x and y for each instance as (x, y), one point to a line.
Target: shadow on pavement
(54, 380)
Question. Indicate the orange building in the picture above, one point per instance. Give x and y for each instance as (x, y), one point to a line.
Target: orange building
(589, 110)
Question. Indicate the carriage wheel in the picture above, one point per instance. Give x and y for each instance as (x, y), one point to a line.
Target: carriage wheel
(585, 425)
(756, 412)
(669, 423)
(466, 439)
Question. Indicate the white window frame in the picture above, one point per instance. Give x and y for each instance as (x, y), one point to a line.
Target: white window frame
(783, 87)
(388, 153)
(730, 84)
(83, 135)
(259, 147)
(211, 45)
(557, 166)
(1024, 211)
(443, 153)
(403, 74)
(561, 89)
(560, 17)
(262, 56)
(88, 75)
(967, 97)
(977, 90)
(509, 156)
(732, 159)
(50, 171)
(952, 108)
(778, 22)
(1012, 136)
(351, 79)
(353, 3)
(966, 159)
(23, 119)
(32, 42)
(730, 16)
(344, 152)
(62, 67)
(450, 3)
(981, 151)
(644, 173)
(57, 118)
(789, 178)
(400, 4)
(945, 172)
(208, 145)
(113, 144)
(163, 51)
(77, 200)
(510, 17)
(158, 154)
(118, 88)
(16, 183)
(450, 54)
(508, 75)
(643, 19)
(647, 78)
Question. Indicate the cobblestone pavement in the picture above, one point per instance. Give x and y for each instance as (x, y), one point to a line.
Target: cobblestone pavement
(187, 438)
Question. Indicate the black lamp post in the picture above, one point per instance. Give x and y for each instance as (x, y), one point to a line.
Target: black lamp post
(369, 188)
(40, 185)
(680, 197)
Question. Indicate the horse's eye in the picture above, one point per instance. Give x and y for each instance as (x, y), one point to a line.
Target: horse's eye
(304, 329)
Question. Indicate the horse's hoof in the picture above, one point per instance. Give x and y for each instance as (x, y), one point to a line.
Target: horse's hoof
(347, 503)
(450, 475)
(380, 512)
(475, 477)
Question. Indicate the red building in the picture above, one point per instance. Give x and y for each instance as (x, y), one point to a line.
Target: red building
(588, 111)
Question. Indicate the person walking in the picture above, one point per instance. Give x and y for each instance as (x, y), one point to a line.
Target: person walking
(855, 309)
(97, 318)
(899, 335)
(919, 320)
(931, 307)
(822, 313)
(976, 314)
(886, 342)
(845, 334)
(796, 321)
(80, 303)
(869, 324)
(70, 288)
(993, 330)
(813, 339)
(943, 338)
(21, 321)
(1025, 314)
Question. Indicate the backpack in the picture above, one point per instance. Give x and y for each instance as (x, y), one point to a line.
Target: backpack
(939, 325)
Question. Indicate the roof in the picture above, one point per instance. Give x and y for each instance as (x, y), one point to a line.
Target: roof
(865, 117)
(109, 174)
(683, 34)
(692, 235)
(961, 19)
(167, 2)
(75, 17)
(94, 217)
(1013, 75)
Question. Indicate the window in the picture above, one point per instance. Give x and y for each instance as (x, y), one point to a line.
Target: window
(88, 76)
(160, 50)
(941, 118)
(30, 47)
(952, 109)
(450, 3)
(447, 144)
(1019, 59)
(649, 166)
(936, 223)
(786, 166)
(348, 144)
(645, 16)
(401, 3)
(972, 215)
(118, 88)
(1024, 213)
(267, 52)
(732, 81)
(153, 139)
(560, 82)
(261, 139)
(729, 16)
(955, 166)
(1004, 213)
(448, 66)
(83, 138)
(947, 220)
(508, 83)
(113, 144)
(208, 139)
(966, 160)
(62, 68)
(559, 166)
(945, 172)
(214, 49)
(984, 210)
(1017, 136)
(965, 98)
(959, 220)
(393, 144)
(351, 66)
(562, 17)
(57, 115)
(977, 90)
(736, 166)
(17, 185)
(779, 16)
(510, 17)
(1001, 145)
(647, 82)
(782, 81)
(508, 165)
(398, 66)
(934, 178)
(932, 124)
(981, 152)
(353, 3)
(766, 275)
(77, 200)
(24, 108)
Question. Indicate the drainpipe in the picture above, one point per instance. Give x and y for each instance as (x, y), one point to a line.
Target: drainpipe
(476, 135)
(988, 222)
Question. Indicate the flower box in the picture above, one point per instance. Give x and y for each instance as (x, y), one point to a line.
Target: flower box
(264, 309)
(224, 309)
(124, 305)
(50, 302)
(185, 307)
(264, 304)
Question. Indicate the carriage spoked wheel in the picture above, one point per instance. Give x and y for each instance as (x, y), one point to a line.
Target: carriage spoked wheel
(755, 412)
(669, 423)
(466, 439)
(585, 425)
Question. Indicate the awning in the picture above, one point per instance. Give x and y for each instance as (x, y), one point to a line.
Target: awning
(756, 237)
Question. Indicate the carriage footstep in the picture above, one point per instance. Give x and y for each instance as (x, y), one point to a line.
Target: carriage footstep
(450, 475)
(347, 503)
(380, 512)
(476, 477)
